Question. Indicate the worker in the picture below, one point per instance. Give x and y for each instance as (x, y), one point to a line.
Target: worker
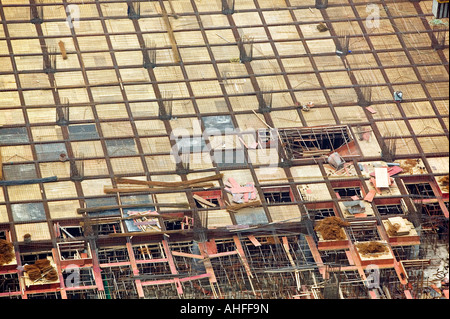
(398, 96)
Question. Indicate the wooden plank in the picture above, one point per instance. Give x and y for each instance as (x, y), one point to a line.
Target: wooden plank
(172, 10)
(207, 263)
(415, 263)
(373, 294)
(408, 294)
(78, 288)
(211, 247)
(201, 200)
(374, 183)
(173, 268)
(227, 253)
(171, 281)
(157, 282)
(134, 266)
(169, 184)
(286, 248)
(59, 271)
(149, 233)
(181, 254)
(370, 195)
(262, 121)
(233, 183)
(114, 207)
(149, 261)
(401, 273)
(235, 207)
(254, 241)
(316, 255)
(241, 253)
(176, 54)
(350, 258)
(195, 277)
(108, 190)
(371, 110)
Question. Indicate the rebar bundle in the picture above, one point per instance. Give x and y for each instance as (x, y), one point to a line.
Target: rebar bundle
(321, 4)
(183, 164)
(165, 107)
(49, 59)
(77, 170)
(364, 94)
(245, 45)
(343, 43)
(62, 113)
(438, 37)
(228, 6)
(149, 54)
(265, 98)
(389, 148)
(134, 10)
(37, 12)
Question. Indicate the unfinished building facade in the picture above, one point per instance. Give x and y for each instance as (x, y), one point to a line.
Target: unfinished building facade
(260, 149)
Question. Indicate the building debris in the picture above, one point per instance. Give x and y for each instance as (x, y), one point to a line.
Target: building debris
(336, 161)
(205, 203)
(398, 226)
(355, 207)
(371, 248)
(331, 228)
(409, 165)
(234, 208)
(241, 194)
(322, 27)
(391, 171)
(444, 181)
(169, 151)
(41, 272)
(6, 252)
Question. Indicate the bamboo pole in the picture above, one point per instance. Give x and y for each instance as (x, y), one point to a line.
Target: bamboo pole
(109, 190)
(234, 208)
(120, 180)
(166, 232)
(103, 208)
(173, 41)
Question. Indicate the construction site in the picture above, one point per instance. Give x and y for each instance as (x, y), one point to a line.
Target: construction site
(224, 149)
